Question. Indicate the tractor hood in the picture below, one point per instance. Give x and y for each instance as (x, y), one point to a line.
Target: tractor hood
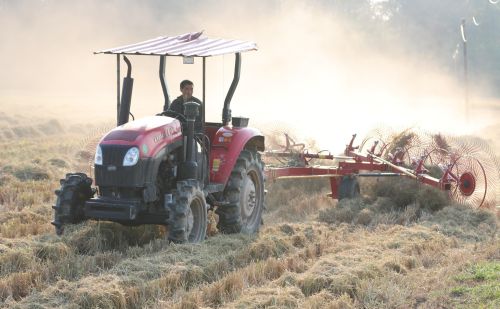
(150, 134)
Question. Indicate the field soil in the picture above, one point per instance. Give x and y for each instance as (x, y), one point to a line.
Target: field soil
(399, 246)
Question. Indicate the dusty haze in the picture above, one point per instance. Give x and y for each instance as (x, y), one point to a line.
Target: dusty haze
(313, 72)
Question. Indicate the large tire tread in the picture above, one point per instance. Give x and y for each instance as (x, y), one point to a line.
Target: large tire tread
(187, 191)
(230, 215)
(75, 190)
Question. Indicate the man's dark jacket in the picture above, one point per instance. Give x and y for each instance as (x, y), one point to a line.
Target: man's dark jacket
(178, 106)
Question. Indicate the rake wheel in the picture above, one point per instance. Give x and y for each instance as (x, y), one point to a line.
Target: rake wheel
(469, 185)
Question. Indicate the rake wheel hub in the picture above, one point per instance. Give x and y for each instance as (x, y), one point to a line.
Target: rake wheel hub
(467, 184)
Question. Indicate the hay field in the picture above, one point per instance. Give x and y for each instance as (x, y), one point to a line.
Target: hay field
(402, 247)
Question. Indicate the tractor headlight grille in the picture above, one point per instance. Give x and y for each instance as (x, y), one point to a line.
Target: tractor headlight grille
(113, 154)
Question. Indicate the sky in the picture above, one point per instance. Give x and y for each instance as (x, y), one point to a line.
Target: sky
(313, 75)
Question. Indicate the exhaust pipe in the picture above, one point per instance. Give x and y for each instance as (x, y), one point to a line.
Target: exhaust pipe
(164, 88)
(128, 84)
(226, 111)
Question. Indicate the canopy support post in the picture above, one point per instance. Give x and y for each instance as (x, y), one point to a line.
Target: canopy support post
(203, 98)
(117, 88)
(163, 84)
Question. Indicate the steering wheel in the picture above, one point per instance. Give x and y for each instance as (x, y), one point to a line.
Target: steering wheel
(173, 114)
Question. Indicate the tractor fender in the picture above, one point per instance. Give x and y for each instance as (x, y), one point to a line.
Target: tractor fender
(226, 147)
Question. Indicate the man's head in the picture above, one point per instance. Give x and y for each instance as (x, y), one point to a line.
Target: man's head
(187, 89)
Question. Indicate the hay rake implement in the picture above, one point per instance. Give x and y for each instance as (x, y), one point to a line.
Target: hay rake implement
(466, 169)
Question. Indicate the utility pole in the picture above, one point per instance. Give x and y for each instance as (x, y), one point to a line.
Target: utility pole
(466, 73)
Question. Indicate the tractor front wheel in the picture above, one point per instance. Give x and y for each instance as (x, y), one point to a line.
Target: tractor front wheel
(75, 190)
(188, 214)
(244, 196)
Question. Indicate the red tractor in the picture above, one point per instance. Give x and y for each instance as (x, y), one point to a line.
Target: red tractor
(172, 168)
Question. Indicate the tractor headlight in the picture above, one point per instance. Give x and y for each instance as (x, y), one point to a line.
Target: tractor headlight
(98, 156)
(131, 157)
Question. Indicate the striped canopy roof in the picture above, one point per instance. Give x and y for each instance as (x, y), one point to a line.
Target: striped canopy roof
(189, 44)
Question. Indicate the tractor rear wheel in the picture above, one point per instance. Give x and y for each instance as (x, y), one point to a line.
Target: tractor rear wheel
(349, 187)
(244, 194)
(188, 214)
(75, 190)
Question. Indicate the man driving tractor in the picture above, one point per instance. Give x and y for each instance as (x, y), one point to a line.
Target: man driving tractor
(177, 105)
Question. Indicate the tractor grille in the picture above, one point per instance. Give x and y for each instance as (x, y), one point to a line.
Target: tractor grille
(116, 175)
(114, 154)
(113, 173)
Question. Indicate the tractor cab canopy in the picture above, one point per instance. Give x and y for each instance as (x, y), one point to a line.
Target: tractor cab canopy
(192, 44)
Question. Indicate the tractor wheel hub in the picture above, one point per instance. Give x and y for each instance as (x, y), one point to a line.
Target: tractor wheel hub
(249, 200)
(189, 221)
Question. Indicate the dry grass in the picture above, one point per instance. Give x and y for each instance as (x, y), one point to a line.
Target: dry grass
(290, 200)
(406, 203)
(400, 246)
